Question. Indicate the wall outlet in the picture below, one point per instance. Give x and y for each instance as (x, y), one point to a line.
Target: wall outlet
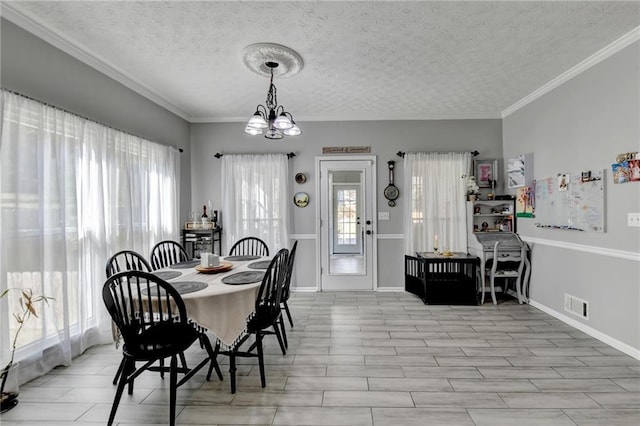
(633, 219)
(383, 215)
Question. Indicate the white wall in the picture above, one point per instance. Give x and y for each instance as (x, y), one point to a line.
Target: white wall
(385, 139)
(581, 125)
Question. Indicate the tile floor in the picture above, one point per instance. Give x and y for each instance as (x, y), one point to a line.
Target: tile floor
(373, 359)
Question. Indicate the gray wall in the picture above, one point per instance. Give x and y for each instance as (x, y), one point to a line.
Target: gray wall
(385, 139)
(583, 124)
(34, 68)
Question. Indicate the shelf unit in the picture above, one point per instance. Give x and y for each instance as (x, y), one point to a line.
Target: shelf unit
(498, 215)
(194, 240)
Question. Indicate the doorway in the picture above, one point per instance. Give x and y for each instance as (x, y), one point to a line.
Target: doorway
(346, 228)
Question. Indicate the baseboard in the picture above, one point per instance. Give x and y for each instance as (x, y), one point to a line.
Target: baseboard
(622, 347)
(304, 289)
(390, 289)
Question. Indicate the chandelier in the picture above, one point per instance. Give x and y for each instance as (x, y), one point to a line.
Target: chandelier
(271, 119)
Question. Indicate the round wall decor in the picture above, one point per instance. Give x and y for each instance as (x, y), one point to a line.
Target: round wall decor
(301, 178)
(301, 199)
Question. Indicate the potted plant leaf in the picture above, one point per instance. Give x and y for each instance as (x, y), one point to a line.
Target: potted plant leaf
(27, 302)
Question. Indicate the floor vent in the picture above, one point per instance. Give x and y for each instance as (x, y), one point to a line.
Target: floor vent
(576, 306)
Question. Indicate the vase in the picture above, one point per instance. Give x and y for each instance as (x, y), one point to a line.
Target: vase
(8, 387)
(472, 197)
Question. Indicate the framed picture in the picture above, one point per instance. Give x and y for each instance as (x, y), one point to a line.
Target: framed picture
(486, 171)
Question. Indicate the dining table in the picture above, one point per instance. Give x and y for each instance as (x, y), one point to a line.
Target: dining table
(221, 298)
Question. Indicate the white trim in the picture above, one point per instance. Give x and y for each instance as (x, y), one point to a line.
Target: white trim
(623, 347)
(365, 117)
(372, 158)
(302, 237)
(624, 41)
(600, 251)
(82, 53)
(305, 289)
(390, 289)
(390, 236)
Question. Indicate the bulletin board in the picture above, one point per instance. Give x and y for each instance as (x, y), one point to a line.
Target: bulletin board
(571, 201)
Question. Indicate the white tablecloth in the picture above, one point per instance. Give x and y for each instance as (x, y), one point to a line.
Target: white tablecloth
(220, 308)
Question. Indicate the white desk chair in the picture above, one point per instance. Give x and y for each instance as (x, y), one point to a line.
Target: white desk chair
(501, 269)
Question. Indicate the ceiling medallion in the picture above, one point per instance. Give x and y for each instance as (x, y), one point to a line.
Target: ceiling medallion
(271, 119)
(257, 56)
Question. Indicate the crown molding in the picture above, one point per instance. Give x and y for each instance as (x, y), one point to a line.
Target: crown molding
(82, 53)
(624, 41)
(362, 117)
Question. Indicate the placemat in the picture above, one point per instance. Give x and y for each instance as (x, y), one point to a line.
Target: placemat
(183, 287)
(167, 275)
(263, 264)
(245, 277)
(243, 257)
(186, 264)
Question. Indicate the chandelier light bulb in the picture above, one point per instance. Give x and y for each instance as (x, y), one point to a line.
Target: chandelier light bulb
(253, 131)
(293, 131)
(283, 122)
(257, 121)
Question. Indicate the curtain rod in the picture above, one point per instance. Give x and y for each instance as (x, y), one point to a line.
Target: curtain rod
(82, 116)
(289, 154)
(402, 153)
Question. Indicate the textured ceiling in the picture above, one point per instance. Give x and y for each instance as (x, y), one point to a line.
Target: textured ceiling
(362, 60)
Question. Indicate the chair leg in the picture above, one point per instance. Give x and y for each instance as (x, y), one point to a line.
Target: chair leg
(128, 367)
(183, 360)
(276, 329)
(263, 380)
(213, 356)
(518, 283)
(286, 309)
(232, 370)
(173, 380)
(493, 291)
(119, 372)
(284, 332)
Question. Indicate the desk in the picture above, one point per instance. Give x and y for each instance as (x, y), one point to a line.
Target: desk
(439, 279)
(222, 309)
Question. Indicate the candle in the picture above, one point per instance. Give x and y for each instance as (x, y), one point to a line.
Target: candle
(435, 243)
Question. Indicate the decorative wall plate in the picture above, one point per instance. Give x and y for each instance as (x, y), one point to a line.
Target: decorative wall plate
(301, 178)
(301, 199)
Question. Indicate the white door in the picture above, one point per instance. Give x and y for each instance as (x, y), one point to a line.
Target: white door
(347, 227)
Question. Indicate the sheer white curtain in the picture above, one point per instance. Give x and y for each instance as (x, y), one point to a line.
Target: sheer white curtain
(72, 192)
(255, 198)
(436, 199)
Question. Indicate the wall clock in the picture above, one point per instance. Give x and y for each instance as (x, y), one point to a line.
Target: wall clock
(391, 192)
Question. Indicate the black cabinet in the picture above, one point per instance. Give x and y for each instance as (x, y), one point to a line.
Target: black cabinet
(439, 279)
(197, 240)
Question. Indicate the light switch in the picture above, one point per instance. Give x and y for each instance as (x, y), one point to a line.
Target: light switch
(633, 219)
(383, 215)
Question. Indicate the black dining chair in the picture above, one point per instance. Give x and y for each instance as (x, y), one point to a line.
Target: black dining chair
(167, 253)
(249, 246)
(151, 317)
(267, 315)
(126, 260)
(286, 289)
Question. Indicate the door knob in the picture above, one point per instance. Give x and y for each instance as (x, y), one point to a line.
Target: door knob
(368, 222)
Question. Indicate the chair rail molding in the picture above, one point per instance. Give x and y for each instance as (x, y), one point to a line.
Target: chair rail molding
(602, 251)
